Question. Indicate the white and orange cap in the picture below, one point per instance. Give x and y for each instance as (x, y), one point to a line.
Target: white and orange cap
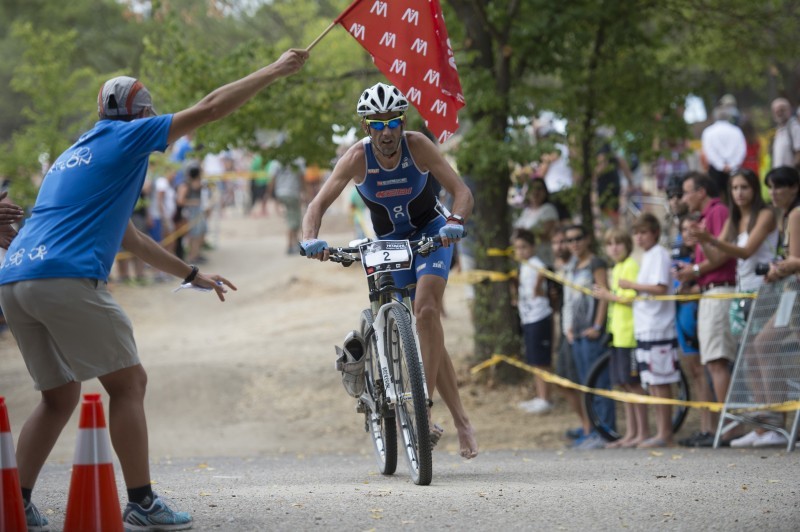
(124, 98)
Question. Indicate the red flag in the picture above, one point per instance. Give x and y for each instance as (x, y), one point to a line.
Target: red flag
(408, 43)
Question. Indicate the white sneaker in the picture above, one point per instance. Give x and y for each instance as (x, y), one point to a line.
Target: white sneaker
(536, 406)
(747, 440)
(770, 438)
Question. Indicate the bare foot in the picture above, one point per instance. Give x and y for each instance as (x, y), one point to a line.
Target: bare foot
(621, 443)
(634, 443)
(468, 443)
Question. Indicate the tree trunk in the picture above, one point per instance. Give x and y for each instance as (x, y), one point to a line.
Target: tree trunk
(482, 157)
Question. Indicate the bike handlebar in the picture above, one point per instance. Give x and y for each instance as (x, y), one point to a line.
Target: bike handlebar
(348, 255)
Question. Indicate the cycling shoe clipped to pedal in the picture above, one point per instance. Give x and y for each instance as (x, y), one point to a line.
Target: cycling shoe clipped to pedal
(350, 361)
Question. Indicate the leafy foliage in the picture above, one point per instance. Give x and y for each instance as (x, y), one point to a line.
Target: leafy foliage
(626, 66)
(191, 55)
(60, 102)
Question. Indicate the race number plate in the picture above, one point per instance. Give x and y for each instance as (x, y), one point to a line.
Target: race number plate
(385, 255)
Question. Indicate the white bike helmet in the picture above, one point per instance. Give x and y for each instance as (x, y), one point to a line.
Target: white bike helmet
(381, 98)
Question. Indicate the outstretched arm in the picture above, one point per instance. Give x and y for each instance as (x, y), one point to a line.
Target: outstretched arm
(149, 251)
(226, 99)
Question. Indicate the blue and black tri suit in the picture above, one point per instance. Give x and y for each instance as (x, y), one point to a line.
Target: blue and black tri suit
(403, 206)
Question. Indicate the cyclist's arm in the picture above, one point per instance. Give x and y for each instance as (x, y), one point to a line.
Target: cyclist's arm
(350, 165)
(226, 99)
(428, 157)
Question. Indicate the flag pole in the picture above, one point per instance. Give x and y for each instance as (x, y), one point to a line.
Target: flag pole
(321, 35)
(332, 24)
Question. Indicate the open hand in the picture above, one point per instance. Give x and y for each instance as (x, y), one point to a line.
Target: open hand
(217, 282)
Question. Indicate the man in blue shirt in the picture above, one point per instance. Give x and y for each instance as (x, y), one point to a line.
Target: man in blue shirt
(53, 279)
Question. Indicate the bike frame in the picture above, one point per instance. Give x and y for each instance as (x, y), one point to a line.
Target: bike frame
(396, 387)
(379, 329)
(377, 293)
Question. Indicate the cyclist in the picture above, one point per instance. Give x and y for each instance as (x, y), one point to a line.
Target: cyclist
(393, 171)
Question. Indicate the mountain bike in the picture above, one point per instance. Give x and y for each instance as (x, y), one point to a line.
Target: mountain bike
(680, 390)
(395, 396)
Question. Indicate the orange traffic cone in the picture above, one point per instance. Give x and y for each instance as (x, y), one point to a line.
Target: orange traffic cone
(12, 512)
(93, 504)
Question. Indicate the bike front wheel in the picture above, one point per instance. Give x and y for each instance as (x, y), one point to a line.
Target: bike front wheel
(412, 404)
(598, 378)
(380, 423)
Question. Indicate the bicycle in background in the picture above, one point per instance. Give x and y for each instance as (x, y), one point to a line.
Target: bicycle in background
(680, 390)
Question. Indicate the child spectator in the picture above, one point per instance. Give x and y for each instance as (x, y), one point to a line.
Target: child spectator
(584, 325)
(688, 340)
(565, 364)
(536, 317)
(654, 325)
(623, 366)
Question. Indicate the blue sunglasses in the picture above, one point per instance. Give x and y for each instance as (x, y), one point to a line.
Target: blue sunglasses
(379, 125)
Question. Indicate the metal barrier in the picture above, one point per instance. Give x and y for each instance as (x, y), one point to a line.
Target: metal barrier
(767, 370)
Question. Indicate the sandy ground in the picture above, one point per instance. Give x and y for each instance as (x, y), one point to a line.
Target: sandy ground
(254, 375)
(251, 429)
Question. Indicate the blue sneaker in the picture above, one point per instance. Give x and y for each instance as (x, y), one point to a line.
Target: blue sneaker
(574, 434)
(590, 443)
(36, 521)
(158, 516)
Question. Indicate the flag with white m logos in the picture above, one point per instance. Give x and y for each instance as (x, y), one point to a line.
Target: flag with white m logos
(408, 43)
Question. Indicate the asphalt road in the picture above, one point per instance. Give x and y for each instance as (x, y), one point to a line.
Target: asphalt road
(673, 489)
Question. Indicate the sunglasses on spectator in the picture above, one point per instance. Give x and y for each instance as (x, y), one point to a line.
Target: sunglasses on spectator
(379, 125)
(573, 239)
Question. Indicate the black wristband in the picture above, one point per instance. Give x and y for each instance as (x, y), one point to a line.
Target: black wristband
(191, 276)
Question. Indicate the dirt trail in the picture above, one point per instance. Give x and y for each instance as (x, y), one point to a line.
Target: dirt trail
(254, 375)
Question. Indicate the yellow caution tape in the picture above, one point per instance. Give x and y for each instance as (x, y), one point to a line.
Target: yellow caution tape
(229, 176)
(480, 276)
(684, 297)
(496, 252)
(470, 277)
(627, 397)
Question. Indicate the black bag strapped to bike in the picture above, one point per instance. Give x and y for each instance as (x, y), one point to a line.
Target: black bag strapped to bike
(350, 361)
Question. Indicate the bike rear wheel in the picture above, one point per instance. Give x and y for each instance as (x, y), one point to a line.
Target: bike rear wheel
(411, 408)
(599, 373)
(380, 424)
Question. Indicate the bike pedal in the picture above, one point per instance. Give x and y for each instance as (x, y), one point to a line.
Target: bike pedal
(361, 408)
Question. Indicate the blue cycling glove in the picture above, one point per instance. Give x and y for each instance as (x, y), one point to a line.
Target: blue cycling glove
(313, 246)
(452, 231)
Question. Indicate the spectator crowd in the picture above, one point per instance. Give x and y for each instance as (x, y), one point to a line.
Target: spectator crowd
(730, 224)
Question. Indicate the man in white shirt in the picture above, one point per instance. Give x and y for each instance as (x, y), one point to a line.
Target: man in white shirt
(555, 165)
(724, 148)
(786, 144)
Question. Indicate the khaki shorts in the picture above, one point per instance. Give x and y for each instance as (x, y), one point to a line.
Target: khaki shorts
(714, 328)
(68, 330)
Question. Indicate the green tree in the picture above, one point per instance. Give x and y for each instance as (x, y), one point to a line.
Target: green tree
(623, 65)
(191, 55)
(107, 38)
(61, 104)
